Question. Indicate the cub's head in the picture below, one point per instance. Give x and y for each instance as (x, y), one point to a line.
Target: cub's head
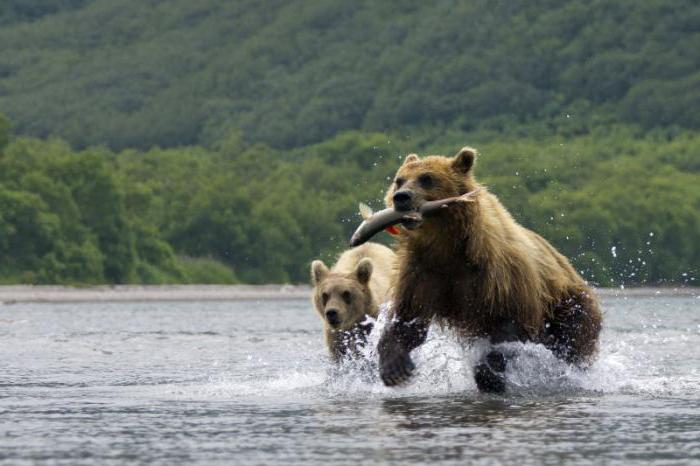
(342, 300)
(430, 178)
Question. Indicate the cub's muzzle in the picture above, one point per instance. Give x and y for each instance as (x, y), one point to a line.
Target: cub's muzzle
(333, 317)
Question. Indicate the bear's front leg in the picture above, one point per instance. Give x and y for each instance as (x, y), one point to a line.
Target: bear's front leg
(490, 374)
(397, 341)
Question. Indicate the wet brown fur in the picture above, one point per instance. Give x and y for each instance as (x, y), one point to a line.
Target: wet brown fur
(473, 267)
(366, 273)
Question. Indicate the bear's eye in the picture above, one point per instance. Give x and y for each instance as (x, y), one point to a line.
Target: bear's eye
(426, 181)
(399, 182)
(324, 298)
(347, 297)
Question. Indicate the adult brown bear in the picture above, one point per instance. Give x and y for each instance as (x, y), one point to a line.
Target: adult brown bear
(473, 268)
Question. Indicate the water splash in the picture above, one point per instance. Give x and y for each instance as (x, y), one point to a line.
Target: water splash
(445, 367)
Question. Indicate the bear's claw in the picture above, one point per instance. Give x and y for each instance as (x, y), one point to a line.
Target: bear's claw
(397, 371)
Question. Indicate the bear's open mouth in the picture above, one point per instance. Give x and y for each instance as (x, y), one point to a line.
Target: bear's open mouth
(412, 224)
(374, 222)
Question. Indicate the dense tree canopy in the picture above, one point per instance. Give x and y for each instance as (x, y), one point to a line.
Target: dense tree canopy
(624, 207)
(214, 142)
(133, 73)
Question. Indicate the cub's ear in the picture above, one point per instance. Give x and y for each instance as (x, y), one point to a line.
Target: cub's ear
(464, 160)
(363, 271)
(318, 272)
(410, 158)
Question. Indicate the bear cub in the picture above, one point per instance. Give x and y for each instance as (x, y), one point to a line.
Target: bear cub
(350, 291)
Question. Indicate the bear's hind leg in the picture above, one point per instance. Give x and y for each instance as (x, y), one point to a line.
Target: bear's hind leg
(490, 374)
(572, 331)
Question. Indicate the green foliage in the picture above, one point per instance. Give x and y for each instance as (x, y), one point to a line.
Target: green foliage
(63, 220)
(623, 208)
(216, 137)
(14, 11)
(171, 73)
(202, 270)
(267, 214)
(622, 204)
(4, 131)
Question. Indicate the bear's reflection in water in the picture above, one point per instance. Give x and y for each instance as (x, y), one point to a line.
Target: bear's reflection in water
(459, 430)
(431, 413)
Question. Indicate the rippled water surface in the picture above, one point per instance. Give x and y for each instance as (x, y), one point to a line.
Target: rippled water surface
(247, 382)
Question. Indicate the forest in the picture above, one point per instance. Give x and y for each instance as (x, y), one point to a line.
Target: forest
(167, 73)
(169, 141)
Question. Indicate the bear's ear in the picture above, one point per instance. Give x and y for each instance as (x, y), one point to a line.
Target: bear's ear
(318, 272)
(464, 160)
(410, 158)
(363, 271)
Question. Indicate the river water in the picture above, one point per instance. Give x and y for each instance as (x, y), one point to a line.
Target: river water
(248, 382)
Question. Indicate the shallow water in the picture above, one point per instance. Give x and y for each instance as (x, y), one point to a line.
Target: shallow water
(248, 382)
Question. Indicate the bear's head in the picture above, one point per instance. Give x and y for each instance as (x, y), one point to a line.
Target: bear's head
(342, 300)
(430, 178)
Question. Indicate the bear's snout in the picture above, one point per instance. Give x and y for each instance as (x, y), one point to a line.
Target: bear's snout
(333, 317)
(403, 200)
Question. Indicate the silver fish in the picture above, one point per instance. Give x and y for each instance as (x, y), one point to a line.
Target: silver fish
(374, 222)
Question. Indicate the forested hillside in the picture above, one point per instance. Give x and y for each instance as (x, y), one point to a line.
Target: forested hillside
(624, 207)
(173, 141)
(134, 73)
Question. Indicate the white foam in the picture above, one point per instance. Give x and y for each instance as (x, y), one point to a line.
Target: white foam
(445, 366)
